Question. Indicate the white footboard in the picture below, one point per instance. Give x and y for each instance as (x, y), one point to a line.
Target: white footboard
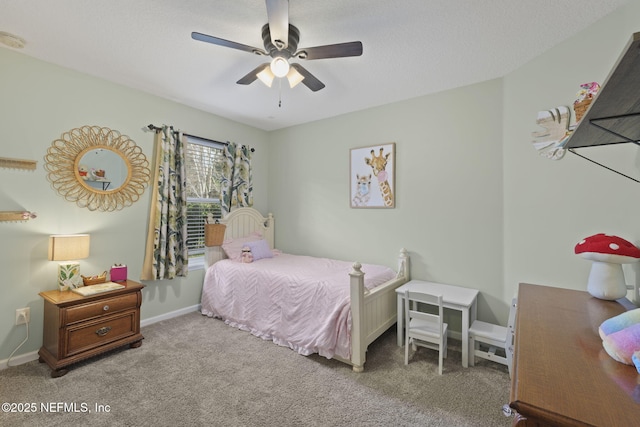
(373, 312)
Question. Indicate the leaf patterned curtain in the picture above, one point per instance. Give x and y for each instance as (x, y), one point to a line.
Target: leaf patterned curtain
(236, 188)
(166, 254)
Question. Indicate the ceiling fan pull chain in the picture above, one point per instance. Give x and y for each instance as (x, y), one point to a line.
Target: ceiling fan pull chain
(279, 93)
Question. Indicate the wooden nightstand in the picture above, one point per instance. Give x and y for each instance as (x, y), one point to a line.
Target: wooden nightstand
(77, 327)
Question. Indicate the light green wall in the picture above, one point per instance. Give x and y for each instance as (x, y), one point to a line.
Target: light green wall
(448, 212)
(551, 205)
(40, 101)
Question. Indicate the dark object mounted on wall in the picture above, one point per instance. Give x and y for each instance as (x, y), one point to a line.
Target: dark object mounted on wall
(609, 133)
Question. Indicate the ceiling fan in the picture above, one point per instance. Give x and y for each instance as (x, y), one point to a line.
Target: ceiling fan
(281, 43)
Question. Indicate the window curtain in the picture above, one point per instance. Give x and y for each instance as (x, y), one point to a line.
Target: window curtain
(236, 189)
(166, 254)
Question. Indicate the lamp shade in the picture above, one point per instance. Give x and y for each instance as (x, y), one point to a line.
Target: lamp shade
(266, 76)
(294, 77)
(67, 247)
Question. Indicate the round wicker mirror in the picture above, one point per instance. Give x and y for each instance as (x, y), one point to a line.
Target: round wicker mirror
(97, 168)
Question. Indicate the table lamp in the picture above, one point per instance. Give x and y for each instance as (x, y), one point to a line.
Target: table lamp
(68, 248)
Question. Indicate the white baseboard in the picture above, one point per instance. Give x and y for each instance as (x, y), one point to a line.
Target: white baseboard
(19, 359)
(170, 315)
(31, 356)
(455, 335)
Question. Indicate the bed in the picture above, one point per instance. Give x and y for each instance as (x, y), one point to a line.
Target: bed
(312, 305)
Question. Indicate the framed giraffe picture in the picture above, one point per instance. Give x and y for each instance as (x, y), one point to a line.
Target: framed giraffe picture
(372, 176)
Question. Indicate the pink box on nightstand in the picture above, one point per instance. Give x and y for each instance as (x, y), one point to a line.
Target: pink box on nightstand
(119, 273)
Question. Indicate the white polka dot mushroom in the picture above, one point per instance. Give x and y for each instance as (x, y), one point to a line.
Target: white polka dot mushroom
(608, 253)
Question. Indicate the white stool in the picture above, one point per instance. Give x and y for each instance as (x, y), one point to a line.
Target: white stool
(484, 334)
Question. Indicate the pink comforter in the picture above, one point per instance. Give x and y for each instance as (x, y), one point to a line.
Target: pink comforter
(297, 301)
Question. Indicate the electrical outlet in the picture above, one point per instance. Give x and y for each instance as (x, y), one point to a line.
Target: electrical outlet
(23, 315)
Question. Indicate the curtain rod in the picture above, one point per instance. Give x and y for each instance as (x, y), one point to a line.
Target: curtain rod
(155, 128)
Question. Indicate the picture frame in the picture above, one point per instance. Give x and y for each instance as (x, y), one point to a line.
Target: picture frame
(372, 176)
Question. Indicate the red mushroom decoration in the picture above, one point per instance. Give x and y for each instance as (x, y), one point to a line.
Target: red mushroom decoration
(608, 253)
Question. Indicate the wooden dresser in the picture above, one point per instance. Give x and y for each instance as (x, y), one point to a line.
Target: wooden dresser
(77, 327)
(561, 374)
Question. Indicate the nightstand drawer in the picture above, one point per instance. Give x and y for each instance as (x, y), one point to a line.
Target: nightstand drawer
(86, 336)
(99, 308)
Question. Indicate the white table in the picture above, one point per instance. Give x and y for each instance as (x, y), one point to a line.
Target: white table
(453, 297)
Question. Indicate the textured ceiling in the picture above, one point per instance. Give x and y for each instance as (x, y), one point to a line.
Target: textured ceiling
(410, 47)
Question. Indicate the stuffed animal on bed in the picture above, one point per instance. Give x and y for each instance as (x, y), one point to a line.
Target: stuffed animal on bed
(246, 256)
(621, 337)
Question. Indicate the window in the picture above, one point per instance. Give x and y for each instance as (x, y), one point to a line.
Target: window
(204, 160)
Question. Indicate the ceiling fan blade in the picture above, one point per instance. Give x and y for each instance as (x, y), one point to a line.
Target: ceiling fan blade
(253, 75)
(310, 80)
(339, 50)
(278, 16)
(226, 43)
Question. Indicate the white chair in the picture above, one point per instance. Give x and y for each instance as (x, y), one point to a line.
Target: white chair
(485, 338)
(424, 328)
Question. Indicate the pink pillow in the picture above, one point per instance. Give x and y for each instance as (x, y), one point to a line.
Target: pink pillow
(233, 247)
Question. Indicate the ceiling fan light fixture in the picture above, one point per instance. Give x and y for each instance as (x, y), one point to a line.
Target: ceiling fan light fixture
(294, 77)
(279, 66)
(266, 76)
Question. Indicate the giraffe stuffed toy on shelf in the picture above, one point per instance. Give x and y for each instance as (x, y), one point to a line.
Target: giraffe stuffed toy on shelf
(379, 164)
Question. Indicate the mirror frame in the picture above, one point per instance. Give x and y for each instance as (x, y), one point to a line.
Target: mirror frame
(64, 155)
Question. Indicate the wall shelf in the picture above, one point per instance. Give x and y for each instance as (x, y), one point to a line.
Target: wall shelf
(13, 216)
(6, 162)
(609, 133)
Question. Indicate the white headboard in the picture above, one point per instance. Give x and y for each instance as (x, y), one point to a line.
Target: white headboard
(243, 221)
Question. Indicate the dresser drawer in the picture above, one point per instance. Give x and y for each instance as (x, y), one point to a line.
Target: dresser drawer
(85, 336)
(103, 307)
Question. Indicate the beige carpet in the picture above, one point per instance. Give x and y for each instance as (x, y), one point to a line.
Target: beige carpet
(197, 371)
